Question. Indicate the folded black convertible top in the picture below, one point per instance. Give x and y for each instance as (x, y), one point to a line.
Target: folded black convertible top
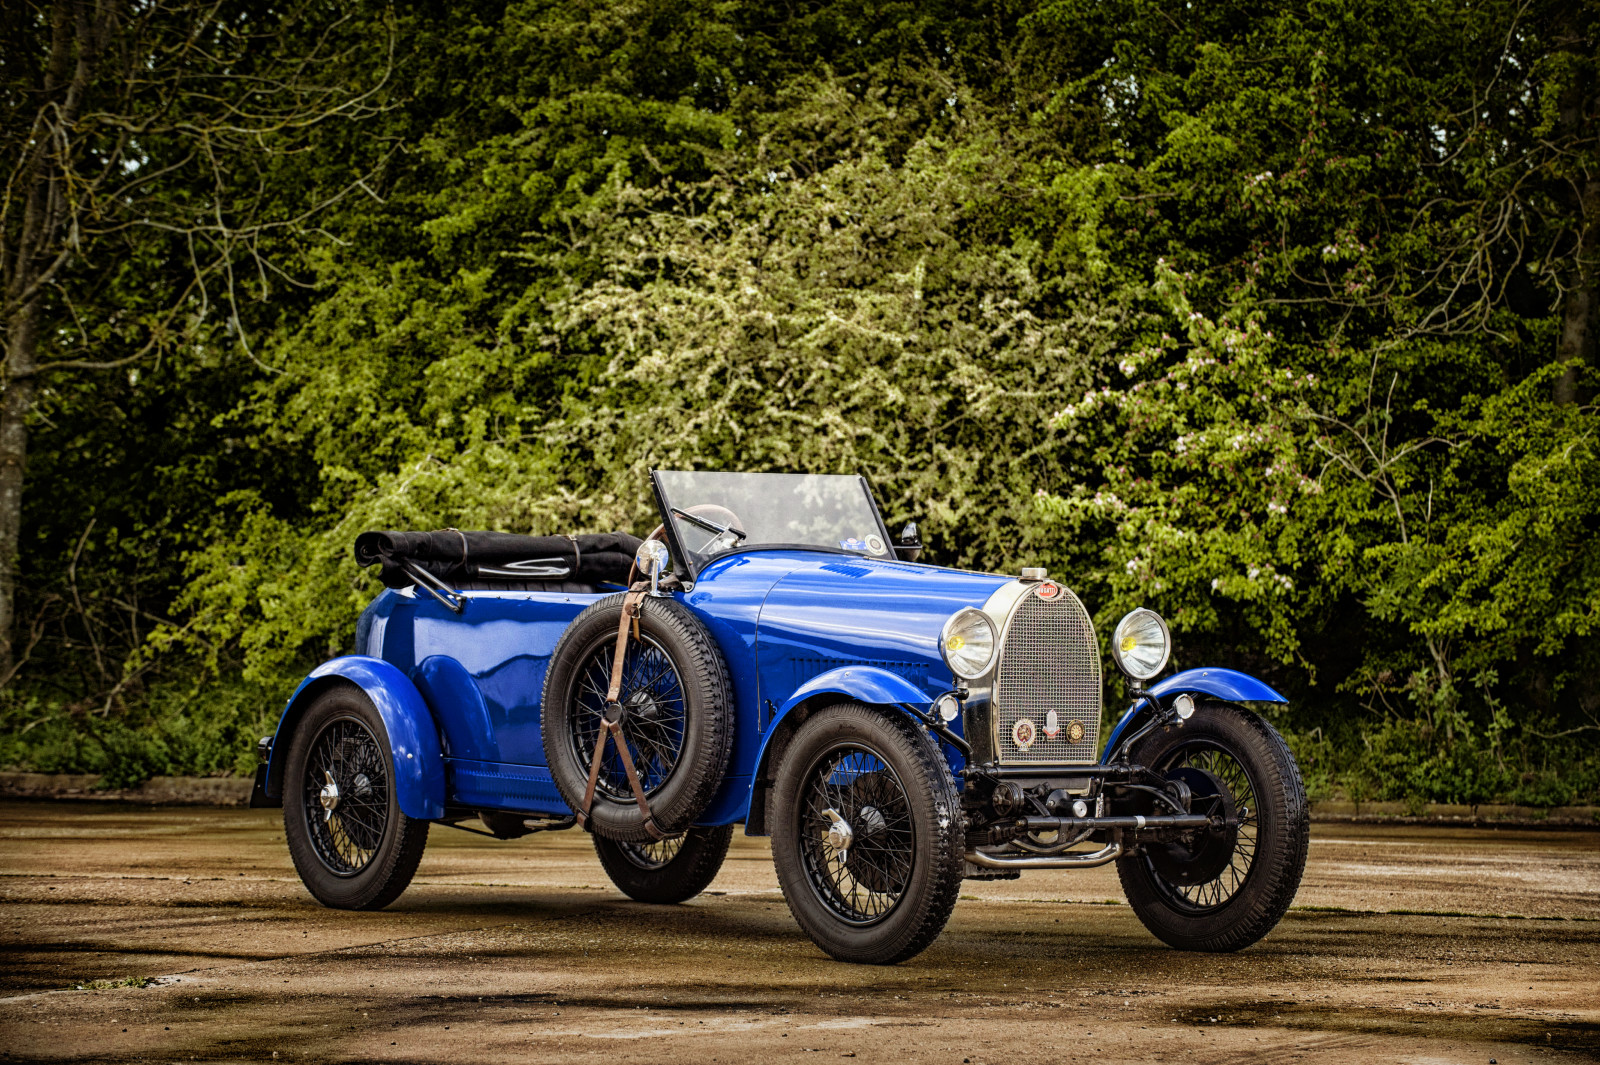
(454, 555)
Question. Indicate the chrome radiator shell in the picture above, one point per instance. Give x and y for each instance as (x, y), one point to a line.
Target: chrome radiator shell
(1049, 659)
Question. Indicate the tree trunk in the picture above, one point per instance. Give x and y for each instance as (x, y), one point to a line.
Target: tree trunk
(70, 34)
(22, 338)
(1581, 300)
(1578, 308)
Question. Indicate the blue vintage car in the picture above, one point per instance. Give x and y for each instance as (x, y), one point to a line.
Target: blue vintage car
(771, 656)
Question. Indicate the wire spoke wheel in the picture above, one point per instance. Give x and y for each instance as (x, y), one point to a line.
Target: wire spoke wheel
(868, 837)
(653, 719)
(858, 839)
(1225, 886)
(346, 796)
(666, 871)
(675, 721)
(652, 856)
(1203, 873)
(343, 818)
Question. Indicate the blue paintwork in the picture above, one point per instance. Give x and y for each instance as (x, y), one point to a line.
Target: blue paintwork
(1227, 684)
(867, 684)
(460, 692)
(501, 645)
(419, 774)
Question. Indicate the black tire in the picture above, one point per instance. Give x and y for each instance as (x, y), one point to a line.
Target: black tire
(898, 880)
(672, 870)
(678, 724)
(361, 854)
(1221, 892)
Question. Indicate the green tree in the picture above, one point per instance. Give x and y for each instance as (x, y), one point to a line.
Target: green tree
(138, 212)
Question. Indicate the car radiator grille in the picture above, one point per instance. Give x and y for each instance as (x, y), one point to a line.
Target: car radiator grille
(1050, 660)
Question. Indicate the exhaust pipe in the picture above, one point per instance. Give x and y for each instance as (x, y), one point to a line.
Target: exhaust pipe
(1109, 853)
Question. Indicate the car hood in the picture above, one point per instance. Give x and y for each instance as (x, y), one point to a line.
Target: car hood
(843, 610)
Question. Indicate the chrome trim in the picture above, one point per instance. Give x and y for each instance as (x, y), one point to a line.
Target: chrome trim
(994, 647)
(839, 836)
(329, 797)
(1116, 645)
(1008, 603)
(1109, 853)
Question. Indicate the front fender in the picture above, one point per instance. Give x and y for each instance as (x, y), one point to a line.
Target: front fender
(866, 684)
(413, 735)
(1226, 684)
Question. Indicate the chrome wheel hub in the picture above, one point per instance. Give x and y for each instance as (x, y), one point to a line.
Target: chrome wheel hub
(329, 797)
(840, 835)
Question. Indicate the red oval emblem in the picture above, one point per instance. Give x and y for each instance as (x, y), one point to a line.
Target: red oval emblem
(1049, 590)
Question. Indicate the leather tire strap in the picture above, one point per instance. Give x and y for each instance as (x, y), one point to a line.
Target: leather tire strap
(594, 774)
(630, 612)
(612, 730)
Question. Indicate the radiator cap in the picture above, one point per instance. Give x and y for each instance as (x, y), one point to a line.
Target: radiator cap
(1034, 573)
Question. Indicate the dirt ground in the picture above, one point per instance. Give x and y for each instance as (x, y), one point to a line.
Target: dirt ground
(166, 934)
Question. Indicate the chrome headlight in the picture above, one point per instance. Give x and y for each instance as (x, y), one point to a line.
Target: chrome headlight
(1141, 645)
(967, 643)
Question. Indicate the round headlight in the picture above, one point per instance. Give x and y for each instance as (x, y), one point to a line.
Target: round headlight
(967, 643)
(1141, 644)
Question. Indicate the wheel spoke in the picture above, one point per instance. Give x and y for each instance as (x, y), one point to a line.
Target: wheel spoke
(1226, 769)
(653, 726)
(864, 883)
(347, 837)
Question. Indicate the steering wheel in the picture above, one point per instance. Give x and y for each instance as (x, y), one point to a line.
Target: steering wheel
(716, 523)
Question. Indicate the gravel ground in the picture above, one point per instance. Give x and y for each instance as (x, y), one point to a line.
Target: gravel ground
(191, 939)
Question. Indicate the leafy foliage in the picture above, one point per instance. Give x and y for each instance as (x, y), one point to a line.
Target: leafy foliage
(1271, 319)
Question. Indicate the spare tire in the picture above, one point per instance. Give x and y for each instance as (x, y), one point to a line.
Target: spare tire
(677, 717)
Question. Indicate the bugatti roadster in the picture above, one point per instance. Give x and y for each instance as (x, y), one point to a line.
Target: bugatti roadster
(771, 656)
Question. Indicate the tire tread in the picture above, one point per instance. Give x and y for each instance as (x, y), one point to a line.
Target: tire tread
(947, 849)
(689, 873)
(1269, 899)
(707, 667)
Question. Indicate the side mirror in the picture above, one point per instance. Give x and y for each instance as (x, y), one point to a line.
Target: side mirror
(652, 561)
(909, 543)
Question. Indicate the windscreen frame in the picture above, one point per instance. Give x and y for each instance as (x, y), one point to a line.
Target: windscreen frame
(688, 566)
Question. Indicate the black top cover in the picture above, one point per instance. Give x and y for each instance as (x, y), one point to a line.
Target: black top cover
(452, 555)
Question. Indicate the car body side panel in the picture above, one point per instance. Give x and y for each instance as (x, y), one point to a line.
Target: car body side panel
(728, 598)
(482, 672)
(501, 786)
(465, 728)
(413, 735)
(503, 642)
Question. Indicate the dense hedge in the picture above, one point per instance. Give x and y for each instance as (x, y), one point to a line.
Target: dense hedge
(1268, 317)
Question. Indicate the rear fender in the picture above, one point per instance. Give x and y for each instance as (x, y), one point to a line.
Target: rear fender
(1228, 685)
(413, 736)
(872, 685)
